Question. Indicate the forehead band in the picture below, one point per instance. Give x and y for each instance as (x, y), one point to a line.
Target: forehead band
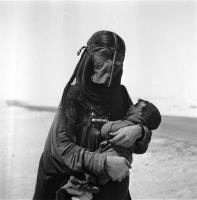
(92, 47)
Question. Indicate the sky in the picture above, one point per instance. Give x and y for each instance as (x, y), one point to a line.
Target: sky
(39, 41)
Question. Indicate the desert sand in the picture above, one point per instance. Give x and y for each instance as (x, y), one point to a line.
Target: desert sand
(168, 170)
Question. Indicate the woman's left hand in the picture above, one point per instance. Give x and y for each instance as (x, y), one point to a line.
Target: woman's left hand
(126, 136)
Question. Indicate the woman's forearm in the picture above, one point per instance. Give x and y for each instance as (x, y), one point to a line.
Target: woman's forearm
(67, 153)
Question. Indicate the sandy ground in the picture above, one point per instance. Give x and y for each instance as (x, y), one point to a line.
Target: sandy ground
(166, 171)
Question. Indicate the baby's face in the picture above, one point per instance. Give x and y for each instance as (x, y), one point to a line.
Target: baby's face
(137, 108)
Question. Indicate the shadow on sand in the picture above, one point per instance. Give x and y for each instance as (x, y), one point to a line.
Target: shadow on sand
(177, 126)
(31, 107)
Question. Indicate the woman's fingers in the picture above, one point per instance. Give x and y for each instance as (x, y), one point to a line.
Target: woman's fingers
(124, 142)
(121, 142)
(117, 138)
(119, 180)
(116, 167)
(113, 134)
(128, 173)
(113, 179)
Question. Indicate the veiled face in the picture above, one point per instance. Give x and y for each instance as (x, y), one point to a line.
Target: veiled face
(106, 66)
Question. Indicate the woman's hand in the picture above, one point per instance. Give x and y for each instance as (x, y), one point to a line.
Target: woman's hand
(126, 136)
(117, 167)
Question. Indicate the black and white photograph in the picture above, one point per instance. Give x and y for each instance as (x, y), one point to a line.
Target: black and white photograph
(98, 100)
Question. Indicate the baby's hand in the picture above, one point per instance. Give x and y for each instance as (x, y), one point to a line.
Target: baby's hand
(85, 196)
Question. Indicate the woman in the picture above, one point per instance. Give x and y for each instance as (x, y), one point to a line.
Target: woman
(96, 97)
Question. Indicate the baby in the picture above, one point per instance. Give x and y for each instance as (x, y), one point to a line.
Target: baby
(142, 113)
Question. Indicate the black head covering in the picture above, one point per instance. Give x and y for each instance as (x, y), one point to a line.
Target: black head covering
(93, 95)
(152, 116)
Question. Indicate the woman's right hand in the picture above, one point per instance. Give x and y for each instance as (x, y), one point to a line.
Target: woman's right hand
(117, 167)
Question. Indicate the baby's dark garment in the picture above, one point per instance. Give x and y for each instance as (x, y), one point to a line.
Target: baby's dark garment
(111, 149)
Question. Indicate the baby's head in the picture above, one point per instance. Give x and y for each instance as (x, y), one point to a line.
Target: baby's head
(148, 111)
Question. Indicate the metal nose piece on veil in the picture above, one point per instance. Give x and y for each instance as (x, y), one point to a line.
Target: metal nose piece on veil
(112, 69)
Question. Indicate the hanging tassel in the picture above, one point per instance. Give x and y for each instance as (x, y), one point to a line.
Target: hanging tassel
(88, 48)
(83, 47)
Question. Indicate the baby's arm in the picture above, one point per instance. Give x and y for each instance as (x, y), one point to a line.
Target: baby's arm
(142, 143)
